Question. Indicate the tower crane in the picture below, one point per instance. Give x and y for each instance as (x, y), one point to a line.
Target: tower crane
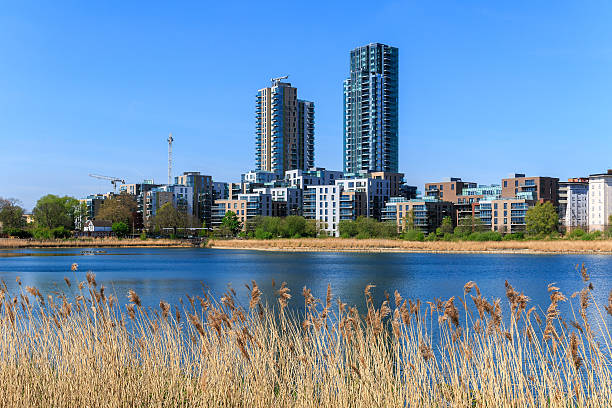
(113, 180)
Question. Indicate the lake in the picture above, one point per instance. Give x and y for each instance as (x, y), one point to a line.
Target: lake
(170, 273)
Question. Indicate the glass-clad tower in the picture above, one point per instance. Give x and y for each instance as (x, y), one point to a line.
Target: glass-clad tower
(371, 110)
(284, 129)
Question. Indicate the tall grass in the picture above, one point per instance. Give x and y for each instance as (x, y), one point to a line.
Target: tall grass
(89, 243)
(82, 347)
(375, 245)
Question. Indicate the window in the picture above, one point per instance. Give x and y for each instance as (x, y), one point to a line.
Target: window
(452, 186)
(505, 183)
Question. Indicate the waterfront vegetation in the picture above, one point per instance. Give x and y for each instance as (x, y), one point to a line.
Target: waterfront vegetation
(80, 345)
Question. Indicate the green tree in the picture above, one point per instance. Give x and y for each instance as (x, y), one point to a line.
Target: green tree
(120, 208)
(467, 225)
(120, 229)
(542, 219)
(447, 226)
(169, 217)
(231, 222)
(409, 221)
(52, 211)
(293, 226)
(203, 232)
(11, 214)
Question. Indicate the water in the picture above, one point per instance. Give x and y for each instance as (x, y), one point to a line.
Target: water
(169, 274)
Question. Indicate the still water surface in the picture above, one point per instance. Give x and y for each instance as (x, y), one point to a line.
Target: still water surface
(169, 274)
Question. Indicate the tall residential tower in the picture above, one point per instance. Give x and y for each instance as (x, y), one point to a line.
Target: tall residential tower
(370, 110)
(284, 129)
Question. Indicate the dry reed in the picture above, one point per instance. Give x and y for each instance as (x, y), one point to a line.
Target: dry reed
(83, 348)
(396, 245)
(90, 243)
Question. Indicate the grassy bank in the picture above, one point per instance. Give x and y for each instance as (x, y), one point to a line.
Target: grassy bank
(90, 242)
(396, 245)
(85, 347)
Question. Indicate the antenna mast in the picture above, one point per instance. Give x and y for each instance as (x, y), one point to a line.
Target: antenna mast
(170, 140)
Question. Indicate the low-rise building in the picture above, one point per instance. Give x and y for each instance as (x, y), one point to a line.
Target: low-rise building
(426, 214)
(600, 201)
(574, 203)
(540, 189)
(245, 206)
(98, 228)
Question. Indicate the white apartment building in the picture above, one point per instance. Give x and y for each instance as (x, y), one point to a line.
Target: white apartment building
(377, 192)
(322, 203)
(313, 177)
(291, 195)
(600, 200)
(574, 203)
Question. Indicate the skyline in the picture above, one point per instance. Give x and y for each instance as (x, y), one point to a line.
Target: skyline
(500, 89)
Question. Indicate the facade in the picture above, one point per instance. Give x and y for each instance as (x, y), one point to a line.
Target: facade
(94, 203)
(313, 177)
(396, 180)
(377, 192)
(258, 177)
(447, 190)
(181, 197)
(202, 197)
(139, 190)
(600, 201)
(371, 110)
(322, 203)
(574, 203)
(539, 189)
(506, 215)
(291, 196)
(284, 129)
(246, 206)
(427, 213)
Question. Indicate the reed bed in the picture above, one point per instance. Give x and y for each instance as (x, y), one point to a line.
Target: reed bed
(90, 243)
(390, 245)
(84, 347)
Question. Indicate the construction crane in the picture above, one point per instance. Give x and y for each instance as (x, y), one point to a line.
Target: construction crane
(170, 140)
(113, 180)
(275, 81)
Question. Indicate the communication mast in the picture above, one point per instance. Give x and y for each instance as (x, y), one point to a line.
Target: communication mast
(170, 140)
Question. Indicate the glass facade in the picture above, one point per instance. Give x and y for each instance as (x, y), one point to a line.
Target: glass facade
(371, 110)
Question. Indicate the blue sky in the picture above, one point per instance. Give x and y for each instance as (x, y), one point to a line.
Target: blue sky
(486, 88)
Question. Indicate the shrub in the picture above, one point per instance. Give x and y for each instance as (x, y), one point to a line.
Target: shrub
(120, 229)
(143, 236)
(261, 233)
(591, 236)
(61, 232)
(576, 233)
(42, 233)
(18, 233)
(516, 236)
(413, 235)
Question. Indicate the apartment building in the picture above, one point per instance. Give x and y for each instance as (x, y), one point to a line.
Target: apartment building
(600, 201)
(316, 176)
(467, 204)
(448, 189)
(220, 190)
(181, 197)
(94, 203)
(574, 203)
(371, 110)
(427, 214)
(506, 215)
(322, 203)
(245, 206)
(540, 189)
(396, 180)
(258, 177)
(284, 129)
(377, 192)
(139, 190)
(291, 196)
(202, 200)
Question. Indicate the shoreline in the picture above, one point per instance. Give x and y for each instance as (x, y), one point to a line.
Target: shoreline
(7, 243)
(559, 247)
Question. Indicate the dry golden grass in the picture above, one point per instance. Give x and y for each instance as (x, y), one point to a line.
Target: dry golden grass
(85, 349)
(390, 245)
(90, 242)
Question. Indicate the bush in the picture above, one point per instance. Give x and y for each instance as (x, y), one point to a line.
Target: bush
(143, 236)
(516, 236)
(61, 232)
(576, 233)
(413, 235)
(485, 236)
(42, 233)
(18, 233)
(591, 236)
(120, 229)
(261, 233)
(365, 227)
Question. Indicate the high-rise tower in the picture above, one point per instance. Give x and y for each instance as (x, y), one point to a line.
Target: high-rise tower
(371, 110)
(284, 129)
